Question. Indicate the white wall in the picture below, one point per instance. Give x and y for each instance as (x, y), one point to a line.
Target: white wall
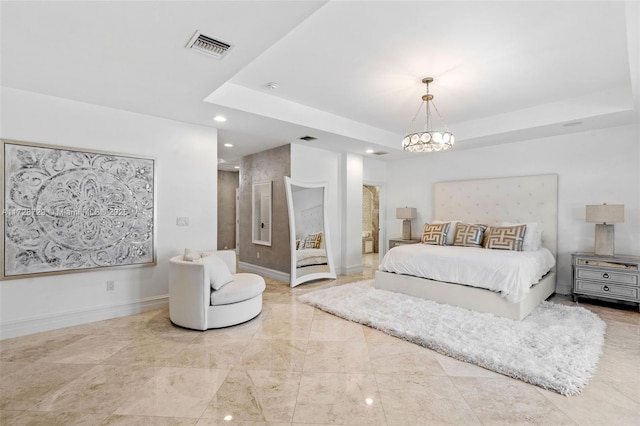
(186, 185)
(593, 167)
(318, 165)
(374, 171)
(353, 173)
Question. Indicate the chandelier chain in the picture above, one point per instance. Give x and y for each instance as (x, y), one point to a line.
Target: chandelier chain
(440, 117)
(428, 124)
(414, 118)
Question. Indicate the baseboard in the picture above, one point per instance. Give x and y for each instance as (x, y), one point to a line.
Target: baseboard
(351, 270)
(265, 272)
(81, 316)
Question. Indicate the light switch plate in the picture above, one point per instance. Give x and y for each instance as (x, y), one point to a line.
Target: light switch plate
(182, 221)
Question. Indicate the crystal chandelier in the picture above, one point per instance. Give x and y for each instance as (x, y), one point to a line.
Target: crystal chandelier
(428, 140)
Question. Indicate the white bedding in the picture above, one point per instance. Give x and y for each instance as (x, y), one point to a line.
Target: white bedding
(511, 273)
(307, 257)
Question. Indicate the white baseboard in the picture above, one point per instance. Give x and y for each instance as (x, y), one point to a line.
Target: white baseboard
(265, 272)
(351, 270)
(80, 316)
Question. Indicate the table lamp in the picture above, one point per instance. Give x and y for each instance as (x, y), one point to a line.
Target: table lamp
(604, 216)
(406, 213)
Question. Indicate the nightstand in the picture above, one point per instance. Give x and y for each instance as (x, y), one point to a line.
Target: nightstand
(608, 277)
(400, 242)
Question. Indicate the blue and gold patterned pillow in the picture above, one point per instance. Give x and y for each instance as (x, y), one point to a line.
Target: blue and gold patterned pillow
(435, 234)
(505, 237)
(468, 235)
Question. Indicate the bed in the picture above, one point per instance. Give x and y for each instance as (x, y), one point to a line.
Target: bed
(524, 199)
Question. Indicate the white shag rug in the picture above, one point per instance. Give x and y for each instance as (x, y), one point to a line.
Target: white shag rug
(556, 347)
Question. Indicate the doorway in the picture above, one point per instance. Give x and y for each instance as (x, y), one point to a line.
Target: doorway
(370, 226)
(227, 210)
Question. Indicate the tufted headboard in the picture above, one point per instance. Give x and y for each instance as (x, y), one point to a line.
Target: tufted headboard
(512, 199)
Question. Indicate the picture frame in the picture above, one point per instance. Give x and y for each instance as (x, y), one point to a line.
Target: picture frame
(69, 209)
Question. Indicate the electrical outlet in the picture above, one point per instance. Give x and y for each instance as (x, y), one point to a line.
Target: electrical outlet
(110, 285)
(182, 221)
(258, 255)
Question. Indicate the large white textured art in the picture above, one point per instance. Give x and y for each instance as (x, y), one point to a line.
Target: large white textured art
(67, 210)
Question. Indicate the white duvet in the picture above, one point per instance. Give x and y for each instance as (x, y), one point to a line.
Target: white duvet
(511, 273)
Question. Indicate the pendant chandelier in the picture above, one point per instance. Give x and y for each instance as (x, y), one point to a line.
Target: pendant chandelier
(428, 140)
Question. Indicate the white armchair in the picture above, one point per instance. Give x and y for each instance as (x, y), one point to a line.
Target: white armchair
(194, 304)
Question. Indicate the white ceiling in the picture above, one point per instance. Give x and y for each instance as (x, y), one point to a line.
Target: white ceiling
(348, 72)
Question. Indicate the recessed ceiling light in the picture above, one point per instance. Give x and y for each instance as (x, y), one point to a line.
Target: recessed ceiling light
(370, 151)
(236, 167)
(272, 85)
(228, 145)
(220, 118)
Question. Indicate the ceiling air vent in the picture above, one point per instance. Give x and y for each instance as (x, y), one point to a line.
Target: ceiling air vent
(380, 153)
(208, 45)
(308, 138)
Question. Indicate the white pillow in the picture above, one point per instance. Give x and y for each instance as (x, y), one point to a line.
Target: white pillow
(532, 236)
(219, 273)
(452, 229)
(191, 255)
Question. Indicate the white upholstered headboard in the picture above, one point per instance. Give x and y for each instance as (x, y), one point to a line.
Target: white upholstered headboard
(511, 199)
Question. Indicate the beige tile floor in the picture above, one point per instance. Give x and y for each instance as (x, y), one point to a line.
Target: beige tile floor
(291, 365)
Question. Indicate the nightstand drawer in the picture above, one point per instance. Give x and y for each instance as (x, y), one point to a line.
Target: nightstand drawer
(600, 275)
(607, 290)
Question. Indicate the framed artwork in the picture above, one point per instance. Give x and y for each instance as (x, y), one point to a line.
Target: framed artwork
(73, 210)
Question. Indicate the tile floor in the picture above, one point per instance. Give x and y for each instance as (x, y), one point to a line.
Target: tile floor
(291, 365)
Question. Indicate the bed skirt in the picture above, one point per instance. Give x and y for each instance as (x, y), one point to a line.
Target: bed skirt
(474, 298)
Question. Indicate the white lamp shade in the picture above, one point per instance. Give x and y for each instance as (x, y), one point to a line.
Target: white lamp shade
(605, 213)
(405, 213)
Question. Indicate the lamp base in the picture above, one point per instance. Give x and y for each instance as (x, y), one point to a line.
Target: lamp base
(406, 229)
(605, 241)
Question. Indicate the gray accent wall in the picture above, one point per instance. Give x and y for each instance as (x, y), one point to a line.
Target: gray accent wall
(271, 165)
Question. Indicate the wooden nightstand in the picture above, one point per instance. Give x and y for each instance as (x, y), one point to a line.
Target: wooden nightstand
(400, 242)
(609, 277)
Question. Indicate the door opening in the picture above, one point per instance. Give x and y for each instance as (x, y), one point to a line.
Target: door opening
(370, 226)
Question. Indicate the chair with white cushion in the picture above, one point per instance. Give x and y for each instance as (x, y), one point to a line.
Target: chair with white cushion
(206, 292)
